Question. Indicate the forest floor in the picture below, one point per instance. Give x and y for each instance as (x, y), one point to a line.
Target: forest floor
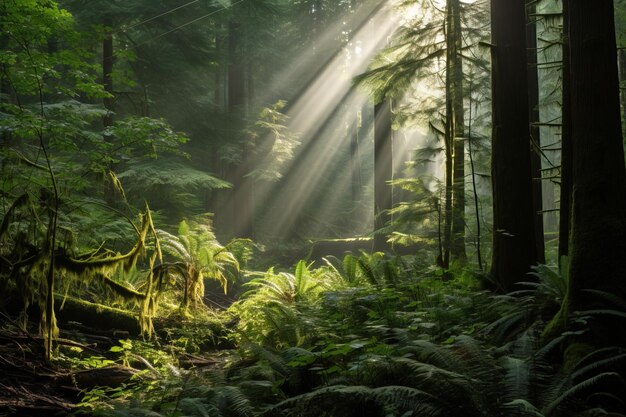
(85, 359)
(28, 385)
(393, 341)
(32, 386)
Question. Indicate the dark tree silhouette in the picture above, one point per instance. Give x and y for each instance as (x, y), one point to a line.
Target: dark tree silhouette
(535, 132)
(598, 213)
(514, 242)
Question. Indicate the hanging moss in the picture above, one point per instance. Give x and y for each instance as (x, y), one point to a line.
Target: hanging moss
(125, 292)
(46, 261)
(107, 263)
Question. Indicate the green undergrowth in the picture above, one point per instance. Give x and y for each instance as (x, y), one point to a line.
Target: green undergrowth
(367, 335)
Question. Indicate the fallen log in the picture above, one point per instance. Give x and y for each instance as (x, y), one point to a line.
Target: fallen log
(96, 316)
(108, 376)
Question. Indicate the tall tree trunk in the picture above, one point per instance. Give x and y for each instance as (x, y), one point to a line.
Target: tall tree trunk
(474, 187)
(355, 159)
(598, 223)
(7, 94)
(215, 199)
(455, 67)
(566, 144)
(383, 172)
(219, 92)
(514, 246)
(535, 132)
(449, 173)
(448, 143)
(242, 199)
(622, 80)
(110, 192)
(107, 72)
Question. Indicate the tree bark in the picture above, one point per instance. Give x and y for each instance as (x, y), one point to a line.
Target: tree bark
(107, 72)
(514, 243)
(598, 222)
(622, 80)
(535, 132)
(566, 144)
(110, 191)
(455, 67)
(383, 172)
(448, 139)
(355, 159)
(242, 198)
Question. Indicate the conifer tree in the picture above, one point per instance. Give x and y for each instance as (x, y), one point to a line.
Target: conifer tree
(455, 111)
(383, 174)
(418, 47)
(535, 132)
(598, 205)
(514, 241)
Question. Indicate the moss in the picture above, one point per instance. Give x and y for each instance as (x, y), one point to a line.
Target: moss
(97, 315)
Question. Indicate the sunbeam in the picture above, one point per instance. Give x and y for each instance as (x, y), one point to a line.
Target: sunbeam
(324, 115)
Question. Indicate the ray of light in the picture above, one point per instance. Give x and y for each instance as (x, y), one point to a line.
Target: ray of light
(318, 115)
(318, 55)
(324, 114)
(326, 91)
(305, 178)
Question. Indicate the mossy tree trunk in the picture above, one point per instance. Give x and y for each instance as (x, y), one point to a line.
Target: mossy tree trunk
(598, 223)
(514, 243)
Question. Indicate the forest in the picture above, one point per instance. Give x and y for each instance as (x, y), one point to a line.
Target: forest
(309, 208)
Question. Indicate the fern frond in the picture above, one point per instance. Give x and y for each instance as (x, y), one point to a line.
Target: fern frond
(578, 388)
(617, 356)
(234, 402)
(437, 355)
(601, 312)
(525, 407)
(196, 407)
(615, 300)
(368, 272)
(349, 267)
(516, 378)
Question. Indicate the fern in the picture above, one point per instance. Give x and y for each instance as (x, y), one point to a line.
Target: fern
(149, 175)
(523, 408)
(195, 254)
(355, 401)
(517, 378)
(576, 389)
(349, 267)
(233, 402)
